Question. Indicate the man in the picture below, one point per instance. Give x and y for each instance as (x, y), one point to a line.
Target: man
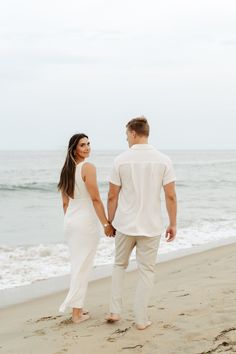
(134, 209)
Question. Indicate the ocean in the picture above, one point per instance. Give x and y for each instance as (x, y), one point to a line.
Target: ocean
(32, 245)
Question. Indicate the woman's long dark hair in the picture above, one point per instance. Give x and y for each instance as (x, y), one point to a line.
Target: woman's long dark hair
(67, 177)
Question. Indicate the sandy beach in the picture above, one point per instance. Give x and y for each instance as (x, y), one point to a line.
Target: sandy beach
(193, 309)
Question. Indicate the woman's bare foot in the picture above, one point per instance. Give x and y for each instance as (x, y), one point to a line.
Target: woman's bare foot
(143, 326)
(112, 317)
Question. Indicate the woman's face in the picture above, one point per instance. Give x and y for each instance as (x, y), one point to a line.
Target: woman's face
(82, 149)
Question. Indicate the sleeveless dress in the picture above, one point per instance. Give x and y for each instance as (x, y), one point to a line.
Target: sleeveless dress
(82, 230)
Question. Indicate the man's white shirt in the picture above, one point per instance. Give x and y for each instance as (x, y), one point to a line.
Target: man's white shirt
(141, 172)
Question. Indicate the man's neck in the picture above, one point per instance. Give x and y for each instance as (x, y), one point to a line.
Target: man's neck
(141, 140)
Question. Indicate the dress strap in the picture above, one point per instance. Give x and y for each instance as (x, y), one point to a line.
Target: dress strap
(80, 164)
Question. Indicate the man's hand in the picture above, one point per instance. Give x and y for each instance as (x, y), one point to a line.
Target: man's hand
(171, 206)
(170, 233)
(109, 231)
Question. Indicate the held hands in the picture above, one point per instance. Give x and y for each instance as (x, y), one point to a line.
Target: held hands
(170, 233)
(109, 230)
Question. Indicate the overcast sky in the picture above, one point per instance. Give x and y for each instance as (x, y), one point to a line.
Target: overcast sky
(90, 66)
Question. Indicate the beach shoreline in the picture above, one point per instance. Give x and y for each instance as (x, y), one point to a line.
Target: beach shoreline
(192, 308)
(35, 290)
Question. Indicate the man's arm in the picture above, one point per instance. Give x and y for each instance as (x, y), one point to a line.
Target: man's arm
(112, 200)
(171, 206)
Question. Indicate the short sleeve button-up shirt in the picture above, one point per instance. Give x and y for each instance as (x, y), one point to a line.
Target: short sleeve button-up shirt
(141, 172)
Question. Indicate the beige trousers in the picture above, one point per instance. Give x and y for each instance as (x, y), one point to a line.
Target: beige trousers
(146, 252)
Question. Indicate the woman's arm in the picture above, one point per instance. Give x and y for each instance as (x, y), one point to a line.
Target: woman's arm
(65, 201)
(112, 200)
(90, 178)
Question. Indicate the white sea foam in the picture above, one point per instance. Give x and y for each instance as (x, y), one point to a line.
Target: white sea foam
(24, 265)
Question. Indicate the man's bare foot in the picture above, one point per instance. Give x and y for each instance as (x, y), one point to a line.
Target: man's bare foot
(80, 319)
(112, 317)
(143, 326)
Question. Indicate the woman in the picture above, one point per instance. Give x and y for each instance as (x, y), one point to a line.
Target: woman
(83, 209)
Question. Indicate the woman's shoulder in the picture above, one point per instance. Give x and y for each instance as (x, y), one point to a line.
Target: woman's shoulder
(88, 166)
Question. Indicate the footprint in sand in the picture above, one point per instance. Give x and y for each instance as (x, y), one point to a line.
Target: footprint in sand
(187, 313)
(175, 291)
(176, 271)
(187, 294)
(96, 324)
(117, 334)
(169, 326)
(224, 342)
(87, 335)
(226, 292)
(227, 332)
(65, 322)
(69, 334)
(137, 346)
(48, 318)
(38, 332)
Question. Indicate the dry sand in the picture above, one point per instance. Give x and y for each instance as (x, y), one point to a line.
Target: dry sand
(193, 309)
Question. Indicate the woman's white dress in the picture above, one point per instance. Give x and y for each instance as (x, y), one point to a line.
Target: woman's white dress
(82, 230)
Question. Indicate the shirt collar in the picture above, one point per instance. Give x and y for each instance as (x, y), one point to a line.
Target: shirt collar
(141, 147)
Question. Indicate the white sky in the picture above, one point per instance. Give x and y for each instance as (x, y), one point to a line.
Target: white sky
(90, 66)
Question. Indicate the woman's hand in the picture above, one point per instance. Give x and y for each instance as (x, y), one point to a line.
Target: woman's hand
(109, 230)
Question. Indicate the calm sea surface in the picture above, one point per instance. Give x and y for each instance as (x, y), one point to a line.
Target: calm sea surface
(31, 218)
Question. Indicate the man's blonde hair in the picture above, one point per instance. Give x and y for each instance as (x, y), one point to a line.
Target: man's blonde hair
(139, 125)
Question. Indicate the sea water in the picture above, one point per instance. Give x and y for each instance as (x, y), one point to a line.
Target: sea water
(32, 244)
